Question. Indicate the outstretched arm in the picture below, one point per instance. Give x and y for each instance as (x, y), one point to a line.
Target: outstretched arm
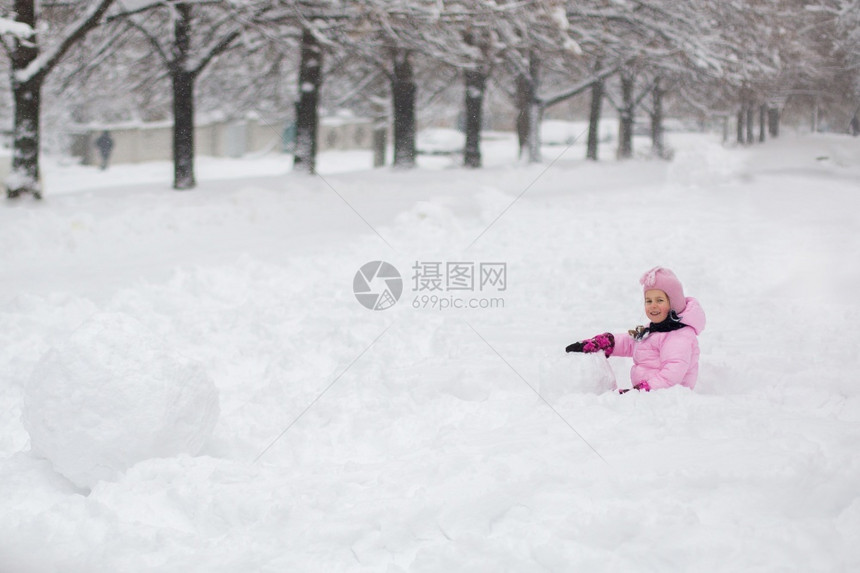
(604, 342)
(623, 344)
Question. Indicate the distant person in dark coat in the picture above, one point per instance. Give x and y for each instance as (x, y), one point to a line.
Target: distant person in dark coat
(105, 145)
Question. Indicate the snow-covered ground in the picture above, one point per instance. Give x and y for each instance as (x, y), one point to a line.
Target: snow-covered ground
(413, 438)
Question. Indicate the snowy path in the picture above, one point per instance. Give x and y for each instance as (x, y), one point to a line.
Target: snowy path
(426, 449)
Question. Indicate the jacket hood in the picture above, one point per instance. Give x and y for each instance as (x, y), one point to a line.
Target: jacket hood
(693, 315)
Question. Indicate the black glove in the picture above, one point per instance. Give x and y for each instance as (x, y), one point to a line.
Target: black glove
(575, 347)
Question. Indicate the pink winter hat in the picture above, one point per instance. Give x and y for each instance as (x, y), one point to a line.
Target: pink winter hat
(666, 281)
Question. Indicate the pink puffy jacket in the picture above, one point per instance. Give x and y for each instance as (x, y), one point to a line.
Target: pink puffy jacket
(665, 359)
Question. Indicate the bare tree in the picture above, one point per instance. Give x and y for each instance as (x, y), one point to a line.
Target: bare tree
(475, 80)
(30, 66)
(307, 106)
(188, 37)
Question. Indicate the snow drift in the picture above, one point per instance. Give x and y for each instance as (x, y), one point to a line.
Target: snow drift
(412, 439)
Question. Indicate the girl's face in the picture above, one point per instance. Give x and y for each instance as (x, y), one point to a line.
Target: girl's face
(656, 305)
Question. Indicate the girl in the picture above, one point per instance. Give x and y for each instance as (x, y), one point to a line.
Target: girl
(666, 353)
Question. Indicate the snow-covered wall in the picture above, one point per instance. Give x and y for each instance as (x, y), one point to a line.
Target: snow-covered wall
(141, 142)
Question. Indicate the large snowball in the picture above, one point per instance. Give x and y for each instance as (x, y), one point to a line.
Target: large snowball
(114, 394)
(563, 374)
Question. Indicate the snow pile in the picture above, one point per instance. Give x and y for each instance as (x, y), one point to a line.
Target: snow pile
(412, 439)
(708, 163)
(560, 132)
(114, 394)
(575, 373)
(440, 141)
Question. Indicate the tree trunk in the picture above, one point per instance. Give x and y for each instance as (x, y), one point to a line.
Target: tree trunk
(529, 110)
(27, 96)
(307, 108)
(28, 76)
(183, 131)
(403, 92)
(773, 121)
(535, 118)
(183, 102)
(380, 130)
(762, 122)
(625, 127)
(658, 148)
(750, 109)
(524, 95)
(380, 137)
(25, 176)
(476, 81)
(815, 112)
(594, 120)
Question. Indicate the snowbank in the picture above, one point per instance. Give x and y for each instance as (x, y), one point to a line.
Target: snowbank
(560, 132)
(440, 141)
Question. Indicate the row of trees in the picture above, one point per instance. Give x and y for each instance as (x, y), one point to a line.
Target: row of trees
(389, 58)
